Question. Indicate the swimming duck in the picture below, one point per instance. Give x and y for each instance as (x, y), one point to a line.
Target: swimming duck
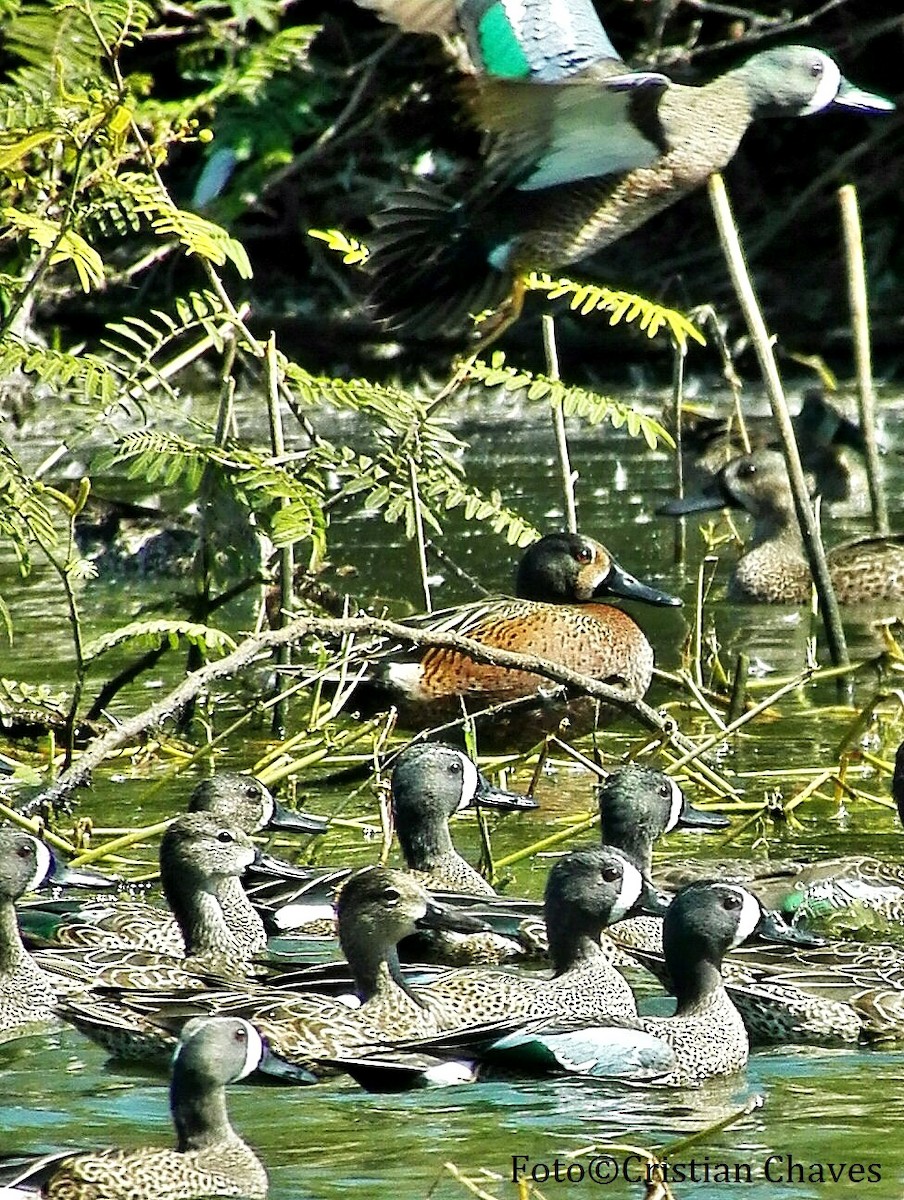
(430, 783)
(774, 568)
(27, 993)
(376, 908)
(581, 151)
(210, 1159)
(556, 614)
(237, 800)
(823, 433)
(585, 891)
(199, 856)
(705, 1037)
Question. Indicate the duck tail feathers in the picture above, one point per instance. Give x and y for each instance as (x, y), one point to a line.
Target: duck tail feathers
(428, 267)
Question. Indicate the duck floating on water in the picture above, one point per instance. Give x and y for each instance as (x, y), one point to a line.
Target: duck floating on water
(558, 613)
(774, 568)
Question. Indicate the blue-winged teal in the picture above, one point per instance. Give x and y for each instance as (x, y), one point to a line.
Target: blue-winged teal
(556, 614)
(704, 921)
(706, 1035)
(237, 800)
(582, 151)
(430, 783)
(376, 908)
(200, 856)
(774, 569)
(823, 432)
(210, 1159)
(27, 993)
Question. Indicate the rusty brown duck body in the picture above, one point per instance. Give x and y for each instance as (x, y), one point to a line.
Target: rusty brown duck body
(558, 613)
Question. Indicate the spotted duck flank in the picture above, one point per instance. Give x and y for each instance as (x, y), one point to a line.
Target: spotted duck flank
(581, 151)
(210, 1158)
(556, 614)
(774, 568)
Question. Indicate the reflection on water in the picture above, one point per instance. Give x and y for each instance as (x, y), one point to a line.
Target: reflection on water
(841, 1107)
(333, 1140)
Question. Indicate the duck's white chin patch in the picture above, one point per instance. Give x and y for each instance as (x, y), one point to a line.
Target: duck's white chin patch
(44, 861)
(254, 1050)
(677, 805)
(629, 893)
(826, 89)
(470, 781)
(749, 917)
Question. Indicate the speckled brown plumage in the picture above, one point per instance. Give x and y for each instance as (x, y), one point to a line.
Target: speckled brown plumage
(773, 568)
(556, 615)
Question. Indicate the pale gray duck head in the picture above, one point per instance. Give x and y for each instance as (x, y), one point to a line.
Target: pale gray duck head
(430, 783)
(26, 864)
(244, 801)
(638, 804)
(703, 922)
(587, 890)
(213, 1052)
(800, 80)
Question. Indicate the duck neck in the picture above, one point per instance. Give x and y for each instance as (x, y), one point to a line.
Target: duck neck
(776, 523)
(375, 967)
(425, 843)
(199, 915)
(240, 914)
(696, 977)
(199, 1110)
(632, 837)
(12, 952)
(571, 947)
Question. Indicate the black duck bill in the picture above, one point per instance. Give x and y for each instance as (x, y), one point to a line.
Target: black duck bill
(490, 796)
(619, 582)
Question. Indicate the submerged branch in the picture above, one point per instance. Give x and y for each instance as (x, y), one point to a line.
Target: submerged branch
(254, 648)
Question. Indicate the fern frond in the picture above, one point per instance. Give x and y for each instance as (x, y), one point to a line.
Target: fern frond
(353, 252)
(68, 246)
(286, 51)
(83, 377)
(24, 516)
(151, 635)
(622, 306)
(579, 402)
(295, 503)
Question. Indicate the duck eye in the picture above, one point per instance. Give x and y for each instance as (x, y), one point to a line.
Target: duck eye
(665, 791)
(455, 766)
(391, 895)
(225, 836)
(732, 901)
(583, 554)
(816, 69)
(26, 850)
(746, 470)
(611, 874)
(241, 1034)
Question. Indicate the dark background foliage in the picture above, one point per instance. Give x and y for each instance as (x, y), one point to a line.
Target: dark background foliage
(321, 149)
